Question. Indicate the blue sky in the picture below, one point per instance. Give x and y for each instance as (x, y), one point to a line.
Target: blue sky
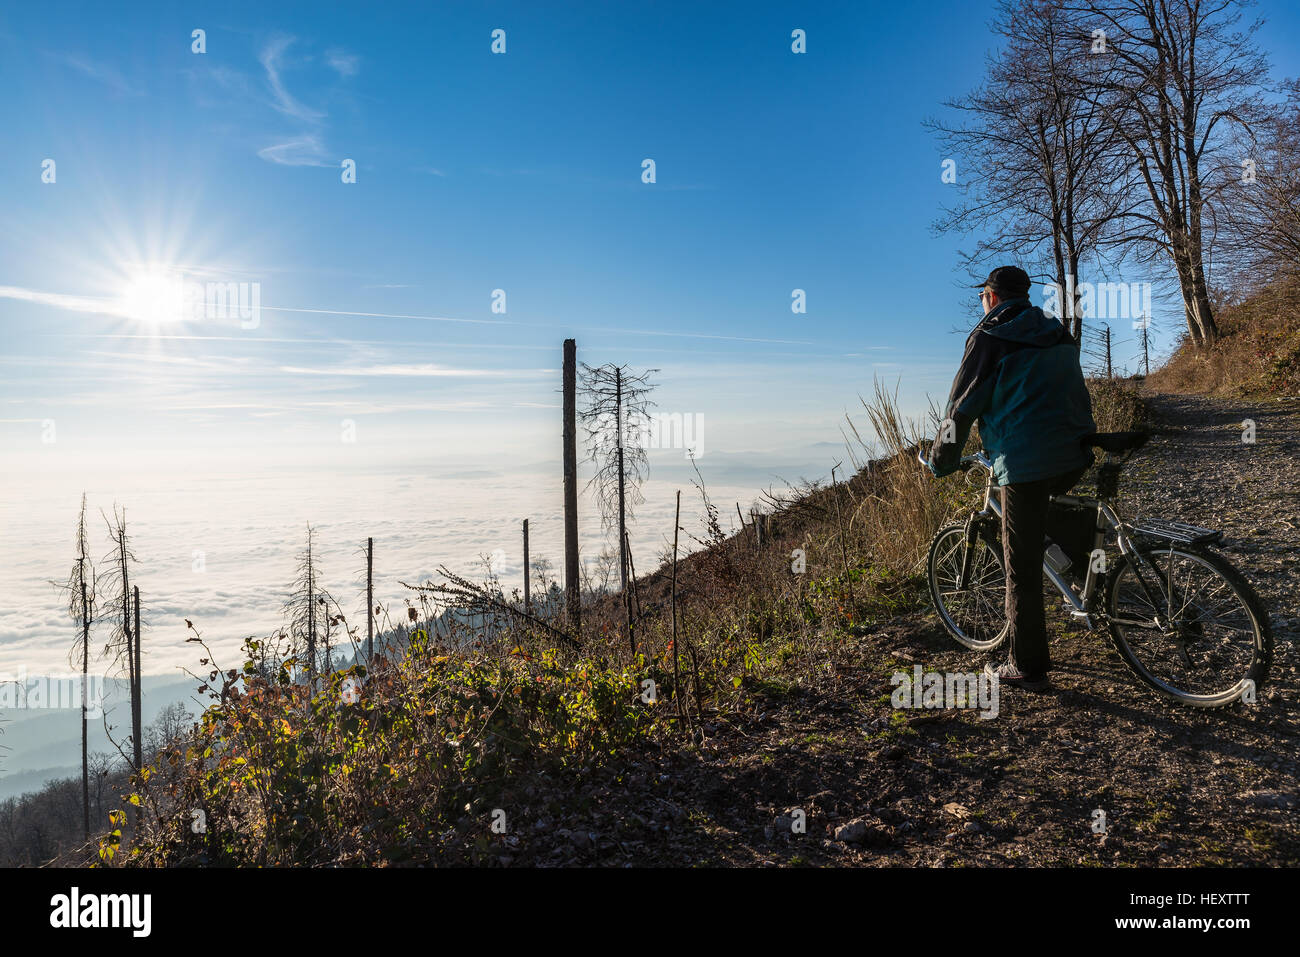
(476, 172)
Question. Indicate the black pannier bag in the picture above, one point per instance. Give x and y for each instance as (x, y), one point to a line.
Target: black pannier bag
(1073, 527)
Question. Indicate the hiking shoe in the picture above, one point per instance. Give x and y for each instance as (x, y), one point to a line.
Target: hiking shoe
(1009, 674)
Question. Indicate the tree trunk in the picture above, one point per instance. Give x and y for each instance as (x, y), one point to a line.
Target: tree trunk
(1195, 246)
(677, 676)
(1194, 328)
(1063, 288)
(126, 608)
(1201, 306)
(528, 604)
(370, 600)
(85, 692)
(572, 581)
(137, 711)
(311, 618)
(1076, 311)
(622, 501)
(629, 593)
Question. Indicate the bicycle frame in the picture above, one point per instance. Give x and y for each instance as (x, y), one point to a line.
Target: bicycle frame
(1107, 519)
(1104, 595)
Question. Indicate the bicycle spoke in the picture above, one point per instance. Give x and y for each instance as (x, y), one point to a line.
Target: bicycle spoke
(1205, 643)
(973, 613)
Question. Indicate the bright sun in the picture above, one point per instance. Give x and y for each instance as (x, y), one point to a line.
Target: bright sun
(155, 297)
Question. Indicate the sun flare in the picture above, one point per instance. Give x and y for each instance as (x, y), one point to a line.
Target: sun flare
(154, 296)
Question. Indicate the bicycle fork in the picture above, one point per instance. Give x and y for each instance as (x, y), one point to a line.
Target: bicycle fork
(968, 550)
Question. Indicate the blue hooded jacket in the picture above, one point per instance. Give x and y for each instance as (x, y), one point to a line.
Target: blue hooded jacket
(1020, 378)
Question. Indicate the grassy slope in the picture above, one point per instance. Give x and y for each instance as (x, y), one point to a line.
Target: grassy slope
(1257, 356)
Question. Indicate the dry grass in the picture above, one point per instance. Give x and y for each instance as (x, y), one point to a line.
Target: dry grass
(1257, 355)
(903, 506)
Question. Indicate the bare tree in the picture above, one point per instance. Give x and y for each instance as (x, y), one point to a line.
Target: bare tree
(123, 647)
(616, 419)
(600, 570)
(1102, 353)
(170, 725)
(79, 592)
(370, 599)
(306, 608)
(1181, 74)
(101, 767)
(1264, 209)
(1034, 156)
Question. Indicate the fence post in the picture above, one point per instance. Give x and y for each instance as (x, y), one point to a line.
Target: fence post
(528, 604)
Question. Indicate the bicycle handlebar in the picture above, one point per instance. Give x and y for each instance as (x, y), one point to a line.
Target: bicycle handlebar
(979, 458)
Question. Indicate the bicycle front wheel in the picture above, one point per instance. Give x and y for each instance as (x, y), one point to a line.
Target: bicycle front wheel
(974, 615)
(1189, 625)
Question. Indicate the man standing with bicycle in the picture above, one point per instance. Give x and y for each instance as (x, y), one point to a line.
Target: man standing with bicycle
(1020, 378)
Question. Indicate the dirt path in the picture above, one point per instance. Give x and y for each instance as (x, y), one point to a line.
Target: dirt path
(1178, 787)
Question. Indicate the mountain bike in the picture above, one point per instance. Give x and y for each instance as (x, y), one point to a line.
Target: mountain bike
(1181, 616)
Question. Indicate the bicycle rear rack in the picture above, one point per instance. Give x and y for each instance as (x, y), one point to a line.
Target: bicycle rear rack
(1175, 531)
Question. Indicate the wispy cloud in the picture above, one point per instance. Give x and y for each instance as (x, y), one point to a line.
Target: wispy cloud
(307, 150)
(390, 315)
(332, 341)
(62, 301)
(111, 307)
(305, 147)
(422, 369)
(272, 60)
(702, 335)
(213, 363)
(344, 64)
(99, 72)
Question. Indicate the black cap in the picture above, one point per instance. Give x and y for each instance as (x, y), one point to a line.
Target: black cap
(1009, 282)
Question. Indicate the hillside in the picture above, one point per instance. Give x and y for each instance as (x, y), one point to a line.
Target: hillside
(42, 745)
(1257, 355)
(778, 700)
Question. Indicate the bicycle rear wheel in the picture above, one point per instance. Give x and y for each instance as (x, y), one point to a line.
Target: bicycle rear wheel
(976, 615)
(1204, 640)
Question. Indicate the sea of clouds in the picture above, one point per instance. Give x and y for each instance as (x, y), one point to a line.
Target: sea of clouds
(220, 550)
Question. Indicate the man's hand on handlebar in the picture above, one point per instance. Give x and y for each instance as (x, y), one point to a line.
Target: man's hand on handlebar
(966, 463)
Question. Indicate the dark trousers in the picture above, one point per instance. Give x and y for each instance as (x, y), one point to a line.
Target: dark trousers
(1024, 523)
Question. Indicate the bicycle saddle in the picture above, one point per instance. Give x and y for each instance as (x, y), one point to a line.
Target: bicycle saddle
(1116, 442)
